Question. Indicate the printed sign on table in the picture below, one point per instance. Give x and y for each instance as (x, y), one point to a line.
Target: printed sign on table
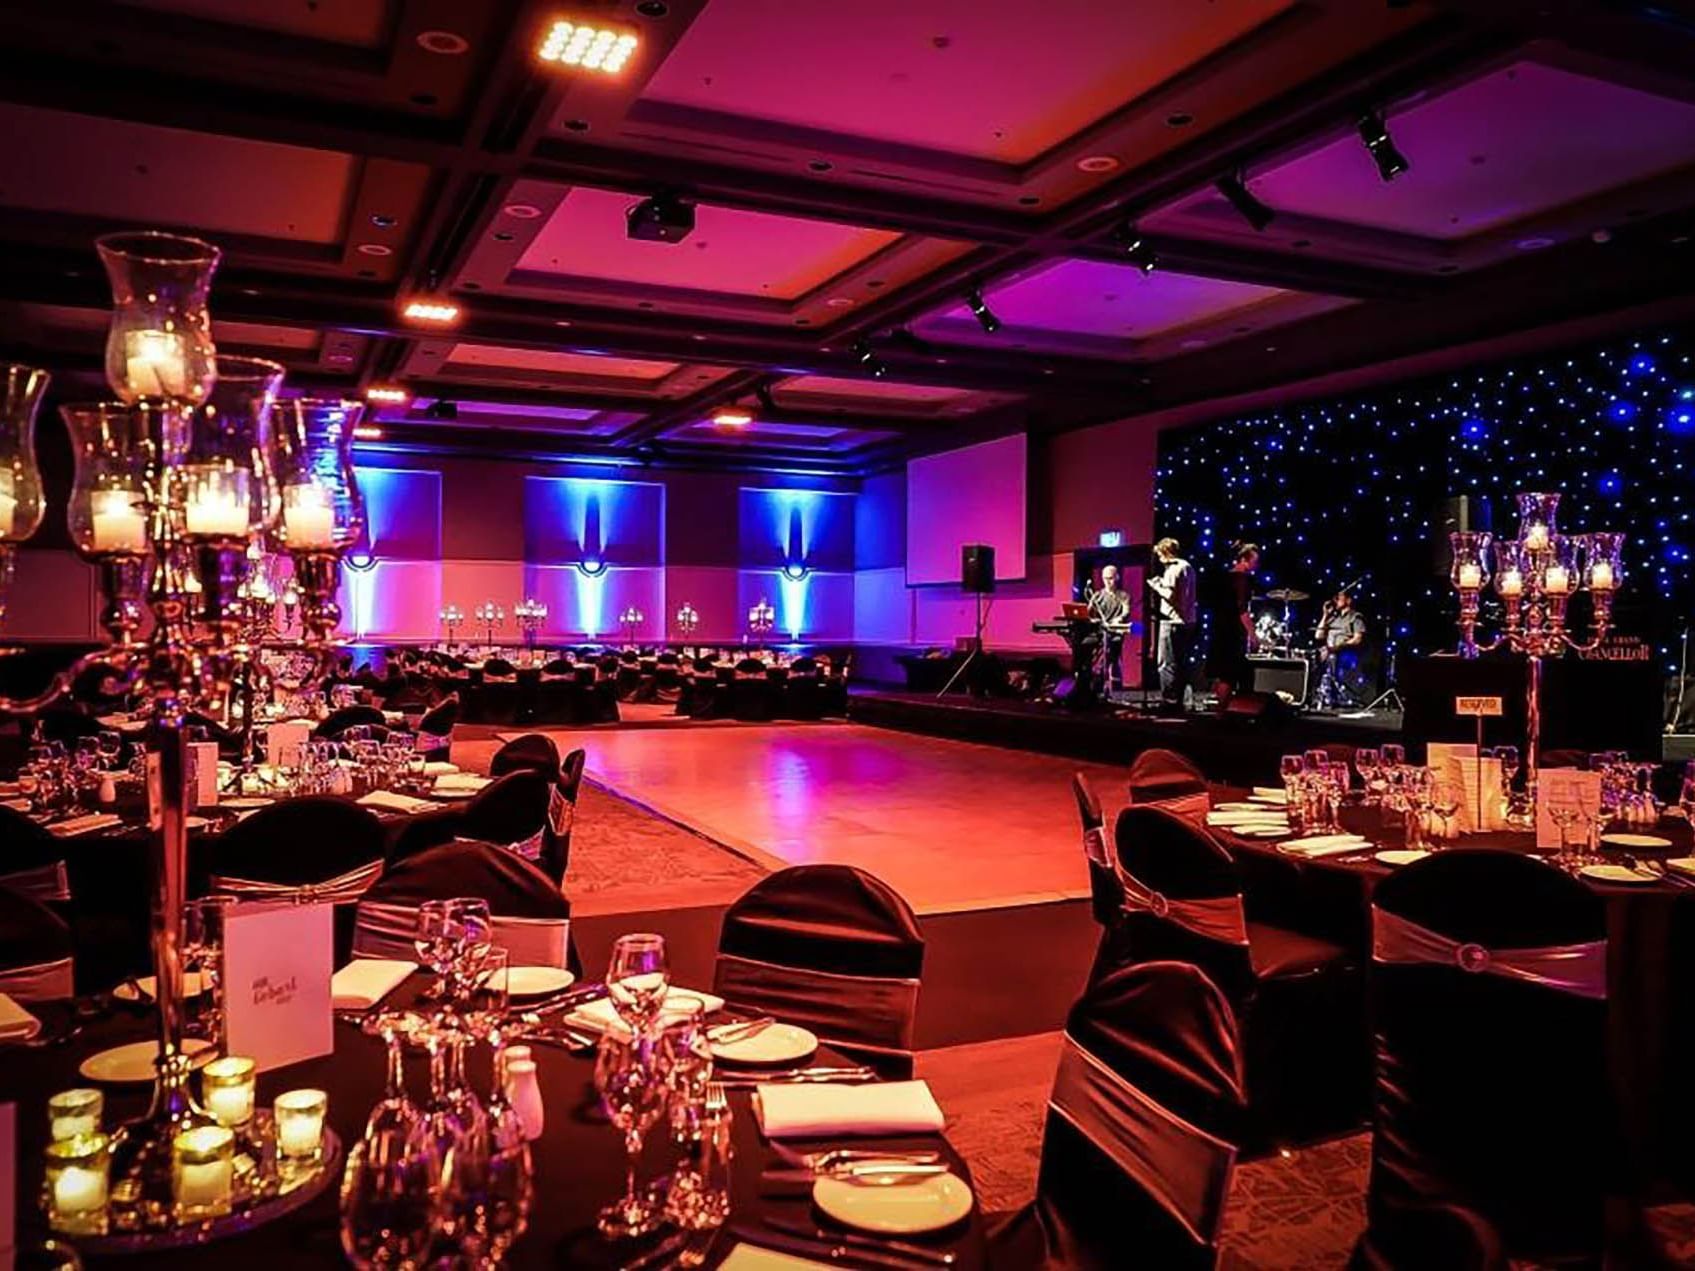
(277, 967)
(1565, 785)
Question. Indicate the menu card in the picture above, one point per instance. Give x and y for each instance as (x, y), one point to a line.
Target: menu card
(277, 966)
(203, 772)
(1479, 781)
(1569, 785)
(283, 740)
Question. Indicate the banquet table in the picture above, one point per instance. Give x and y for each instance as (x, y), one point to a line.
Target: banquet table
(1650, 962)
(579, 1161)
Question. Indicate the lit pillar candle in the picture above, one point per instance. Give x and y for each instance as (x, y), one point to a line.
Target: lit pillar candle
(1511, 583)
(1601, 576)
(78, 1170)
(74, 1112)
(300, 1123)
(119, 524)
(155, 364)
(8, 503)
(203, 1171)
(1471, 577)
(217, 513)
(1557, 581)
(226, 1088)
(308, 518)
(1536, 538)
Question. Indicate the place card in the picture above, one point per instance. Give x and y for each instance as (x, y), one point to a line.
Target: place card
(277, 964)
(1553, 784)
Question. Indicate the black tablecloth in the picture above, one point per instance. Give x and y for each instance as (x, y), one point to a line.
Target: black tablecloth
(579, 1161)
(1650, 966)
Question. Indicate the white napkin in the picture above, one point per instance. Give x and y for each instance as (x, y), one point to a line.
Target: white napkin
(438, 767)
(754, 1258)
(394, 801)
(825, 1110)
(15, 1022)
(1325, 844)
(1682, 864)
(1276, 794)
(461, 781)
(598, 1015)
(85, 824)
(1229, 819)
(364, 982)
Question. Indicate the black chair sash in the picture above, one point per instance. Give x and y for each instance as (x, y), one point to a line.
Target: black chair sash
(36, 951)
(42, 882)
(33, 860)
(867, 1012)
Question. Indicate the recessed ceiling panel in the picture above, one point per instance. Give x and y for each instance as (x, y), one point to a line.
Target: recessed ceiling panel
(776, 433)
(805, 388)
(360, 22)
(1523, 140)
(994, 81)
(572, 420)
(556, 362)
(113, 170)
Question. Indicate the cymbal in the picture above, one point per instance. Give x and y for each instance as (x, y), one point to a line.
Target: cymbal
(1287, 593)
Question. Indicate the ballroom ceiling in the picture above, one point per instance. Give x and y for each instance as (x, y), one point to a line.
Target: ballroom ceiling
(857, 174)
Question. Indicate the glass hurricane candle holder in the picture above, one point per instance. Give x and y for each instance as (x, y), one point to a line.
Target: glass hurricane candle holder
(1562, 567)
(74, 1112)
(1605, 567)
(77, 1187)
(322, 513)
(1538, 516)
(1511, 569)
(203, 1173)
(21, 388)
(300, 1126)
(227, 1090)
(159, 345)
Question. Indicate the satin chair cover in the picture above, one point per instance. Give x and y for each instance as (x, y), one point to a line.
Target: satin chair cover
(435, 730)
(532, 919)
(341, 890)
(32, 860)
(510, 811)
(1106, 896)
(36, 951)
(562, 815)
(1492, 1090)
(347, 717)
(297, 842)
(829, 947)
(532, 751)
(1418, 1237)
(1139, 1144)
(1157, 775)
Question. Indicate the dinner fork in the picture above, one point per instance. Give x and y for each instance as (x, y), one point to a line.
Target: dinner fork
(823, 1162)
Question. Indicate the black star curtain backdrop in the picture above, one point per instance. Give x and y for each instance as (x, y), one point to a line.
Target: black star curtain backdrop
(1345, 488)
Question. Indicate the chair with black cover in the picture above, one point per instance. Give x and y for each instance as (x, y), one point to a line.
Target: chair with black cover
(37, 962)
(435, 730)
(1299, 999)
(532, 920)
(32, 861)
(510, 811)
(1489, 978)
(314, 848)
(832, 948)
(752, 692)
(1106, 896)
(562, 815)
(667, 678)
(497, 700)
(1141, 1132)
(347, 717)
(557, 666)
(1164, 778)
(532, 751)
(1420, 1236)
(803, 694)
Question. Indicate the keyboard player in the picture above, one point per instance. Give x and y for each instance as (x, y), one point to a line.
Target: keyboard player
(1110, 609)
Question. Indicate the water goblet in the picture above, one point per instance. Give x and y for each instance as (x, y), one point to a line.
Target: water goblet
(389, 1190)
(638, 977)
(630, 1077)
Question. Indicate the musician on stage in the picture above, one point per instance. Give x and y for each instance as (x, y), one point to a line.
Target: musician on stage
(1173, 581)
(1231, 637)
(1341, 635)
(1110, 607)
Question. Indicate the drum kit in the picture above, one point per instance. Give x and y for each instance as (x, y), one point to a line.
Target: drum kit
(1275, 630)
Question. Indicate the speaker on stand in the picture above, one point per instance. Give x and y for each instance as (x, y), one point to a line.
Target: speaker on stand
(977, 576)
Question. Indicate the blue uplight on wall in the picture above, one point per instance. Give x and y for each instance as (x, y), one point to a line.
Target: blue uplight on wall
(592, 523)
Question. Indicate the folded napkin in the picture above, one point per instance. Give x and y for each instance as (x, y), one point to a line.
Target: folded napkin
(598, 1015)
(825, 1110)
(16, 1024)
(754, 1258)
(394, 801)
(439, 767)
(17, 805)
(461, 781)
(85, 824)
(1682, 865)
(1325, 844)
(364, 982)
(1268, 817)
(1275, 794)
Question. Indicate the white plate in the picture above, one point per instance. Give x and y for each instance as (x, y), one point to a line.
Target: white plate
(454, 796)
(135, 1061)
(1617, 874)
(1400, 856)
(777, 1044)
(533, 981)
(1635, 840)
(1270, 794)
(240, 802)
(1238, 807)
(928, 1204)
(1265, 832)
(193, 985)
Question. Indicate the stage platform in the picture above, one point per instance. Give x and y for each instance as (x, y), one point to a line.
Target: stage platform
(1236, 748)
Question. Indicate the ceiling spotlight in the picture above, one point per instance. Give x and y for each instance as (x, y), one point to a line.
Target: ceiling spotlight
(1139, 251)
(984, 315)
(912, 342)
(587, 47)
(443, 409)
(732, 417)
(664, 218)
(387, 395)
(1237, 194)
(431, 309)
(367, 432)
(868, 358)
(1390, 161)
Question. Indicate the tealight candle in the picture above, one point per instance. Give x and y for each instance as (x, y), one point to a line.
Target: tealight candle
(226, 1088)
(1557, 581)
(300, 1123)
(1601, 576)
(119, 524)
(74, 1112)
(155, 364)
(77, 1174)
(308, 518)
(1511, 583)
(216, 513)
(203, 1171)
(1471, 577)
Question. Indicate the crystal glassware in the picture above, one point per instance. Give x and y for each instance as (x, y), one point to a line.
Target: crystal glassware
(391, 1186)
(21, 389)
(159, 344)
(630, 1077)
(638, 977)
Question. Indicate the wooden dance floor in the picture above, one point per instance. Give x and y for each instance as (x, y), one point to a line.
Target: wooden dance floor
(949, 824)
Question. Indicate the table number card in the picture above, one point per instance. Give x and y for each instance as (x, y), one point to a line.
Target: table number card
(277, 966)
(1564, 784)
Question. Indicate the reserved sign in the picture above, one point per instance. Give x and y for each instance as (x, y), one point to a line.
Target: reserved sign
(277, 967)
(1489, 707)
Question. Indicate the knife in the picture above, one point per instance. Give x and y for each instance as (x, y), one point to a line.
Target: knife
(811, 1231)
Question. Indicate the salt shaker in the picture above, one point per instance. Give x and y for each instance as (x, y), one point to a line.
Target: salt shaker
(524, 1090)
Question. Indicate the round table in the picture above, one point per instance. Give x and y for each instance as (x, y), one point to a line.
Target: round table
(1650, 962)
(579, 1160)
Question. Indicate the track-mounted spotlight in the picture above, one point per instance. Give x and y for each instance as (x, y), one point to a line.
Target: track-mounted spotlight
(1237, 194)
(1137, 249)
(1390, 161)
(868, 358)
(985, 316)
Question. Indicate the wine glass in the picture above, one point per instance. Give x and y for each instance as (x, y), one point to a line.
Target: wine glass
(638, 978)
(389, 1200)
(487, 994)
(1567, 813)
(435, 942)
(490, 1200)
(1446, 799)
(629, 1075)
(1368, 762)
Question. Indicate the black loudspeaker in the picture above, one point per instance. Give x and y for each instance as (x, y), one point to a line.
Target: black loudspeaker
(977, 568)
(1464, 512)
(1281, 675)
